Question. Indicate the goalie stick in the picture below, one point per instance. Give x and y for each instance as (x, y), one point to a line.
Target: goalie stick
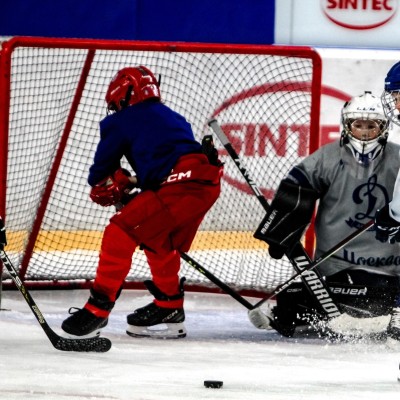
(298, 257)
(311, 265)
(255, 315)
(95, 344)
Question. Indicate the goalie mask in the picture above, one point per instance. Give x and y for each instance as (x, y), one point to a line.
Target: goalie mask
(364, 127)
(391, 94)
(130, 86)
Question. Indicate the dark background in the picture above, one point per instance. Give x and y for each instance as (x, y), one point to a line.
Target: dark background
(218, 21)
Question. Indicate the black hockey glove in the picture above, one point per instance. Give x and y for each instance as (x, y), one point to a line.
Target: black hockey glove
(3, 240)
(287, 218)
(387, 228)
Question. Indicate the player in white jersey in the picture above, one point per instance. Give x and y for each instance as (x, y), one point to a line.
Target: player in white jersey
(352, 178)
(388, 218)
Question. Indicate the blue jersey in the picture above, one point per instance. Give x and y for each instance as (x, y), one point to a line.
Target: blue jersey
(150, 135)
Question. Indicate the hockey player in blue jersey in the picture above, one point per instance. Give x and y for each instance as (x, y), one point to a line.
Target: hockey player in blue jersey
(178, 179)
(351, 178)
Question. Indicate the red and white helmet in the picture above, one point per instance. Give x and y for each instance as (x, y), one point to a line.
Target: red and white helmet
(131, 85)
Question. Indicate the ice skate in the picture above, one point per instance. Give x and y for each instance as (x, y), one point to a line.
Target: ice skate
(82, 322)
(153, 320)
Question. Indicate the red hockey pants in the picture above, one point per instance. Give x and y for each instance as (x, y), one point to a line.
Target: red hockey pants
(164, 222)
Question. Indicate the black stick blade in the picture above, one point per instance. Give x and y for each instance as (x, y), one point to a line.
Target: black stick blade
(98, 345)
(95, 344)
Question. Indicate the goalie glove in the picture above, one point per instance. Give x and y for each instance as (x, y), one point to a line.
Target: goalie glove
(387, 228)
(287, 218)
(111, 190)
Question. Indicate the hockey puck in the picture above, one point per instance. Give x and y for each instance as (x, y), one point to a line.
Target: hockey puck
(213, 384)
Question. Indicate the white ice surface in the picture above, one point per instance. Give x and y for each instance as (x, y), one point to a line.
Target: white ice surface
(221, 345)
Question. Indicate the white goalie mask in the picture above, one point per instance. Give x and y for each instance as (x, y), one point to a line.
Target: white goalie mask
(364, 127)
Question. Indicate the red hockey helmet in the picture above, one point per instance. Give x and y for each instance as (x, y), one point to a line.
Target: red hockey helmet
(131, 85)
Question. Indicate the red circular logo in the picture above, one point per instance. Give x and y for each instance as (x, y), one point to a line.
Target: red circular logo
(359, 14)
(253, 138)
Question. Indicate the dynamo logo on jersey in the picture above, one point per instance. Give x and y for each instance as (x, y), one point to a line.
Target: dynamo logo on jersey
(367, 196)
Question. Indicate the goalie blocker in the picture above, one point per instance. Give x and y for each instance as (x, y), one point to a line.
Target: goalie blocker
(287, 218)
(360, 292)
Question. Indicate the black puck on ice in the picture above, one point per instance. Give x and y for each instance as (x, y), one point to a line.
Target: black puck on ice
(213, 384)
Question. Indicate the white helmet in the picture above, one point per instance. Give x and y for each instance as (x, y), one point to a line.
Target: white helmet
(364, 127)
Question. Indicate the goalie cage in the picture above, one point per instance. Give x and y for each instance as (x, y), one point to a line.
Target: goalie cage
(266, 98)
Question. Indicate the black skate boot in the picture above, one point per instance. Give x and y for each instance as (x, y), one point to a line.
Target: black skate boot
(155, 321)
(84, 324)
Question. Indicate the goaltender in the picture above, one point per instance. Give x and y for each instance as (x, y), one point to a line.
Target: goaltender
(351, 178)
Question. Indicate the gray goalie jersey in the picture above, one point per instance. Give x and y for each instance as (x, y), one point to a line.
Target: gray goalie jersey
(350, 194)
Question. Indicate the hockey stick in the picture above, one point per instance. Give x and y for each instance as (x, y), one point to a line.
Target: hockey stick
(298, 256)
(256, 316)
(310, 266)
(228, 290)
(224, 287)
(95, 344)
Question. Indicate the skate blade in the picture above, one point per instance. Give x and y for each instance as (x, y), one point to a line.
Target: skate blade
(160, 331)
(91, 335)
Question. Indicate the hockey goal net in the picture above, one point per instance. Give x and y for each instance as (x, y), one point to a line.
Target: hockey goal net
(266, 98)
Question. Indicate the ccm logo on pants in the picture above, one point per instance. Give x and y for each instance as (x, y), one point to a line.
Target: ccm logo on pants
(179, 176)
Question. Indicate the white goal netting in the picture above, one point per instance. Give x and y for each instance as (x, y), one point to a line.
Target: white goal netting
(264, 98)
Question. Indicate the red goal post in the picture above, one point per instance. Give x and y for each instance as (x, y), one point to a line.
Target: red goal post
(266, 98)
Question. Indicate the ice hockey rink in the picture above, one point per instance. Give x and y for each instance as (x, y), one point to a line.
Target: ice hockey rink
(221, 345)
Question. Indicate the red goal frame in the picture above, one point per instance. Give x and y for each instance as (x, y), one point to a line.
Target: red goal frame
(91, 46)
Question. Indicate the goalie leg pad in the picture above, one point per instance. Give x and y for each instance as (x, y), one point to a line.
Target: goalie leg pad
(359, 292)
(364, 292)
(287, 217)
(294, 308)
